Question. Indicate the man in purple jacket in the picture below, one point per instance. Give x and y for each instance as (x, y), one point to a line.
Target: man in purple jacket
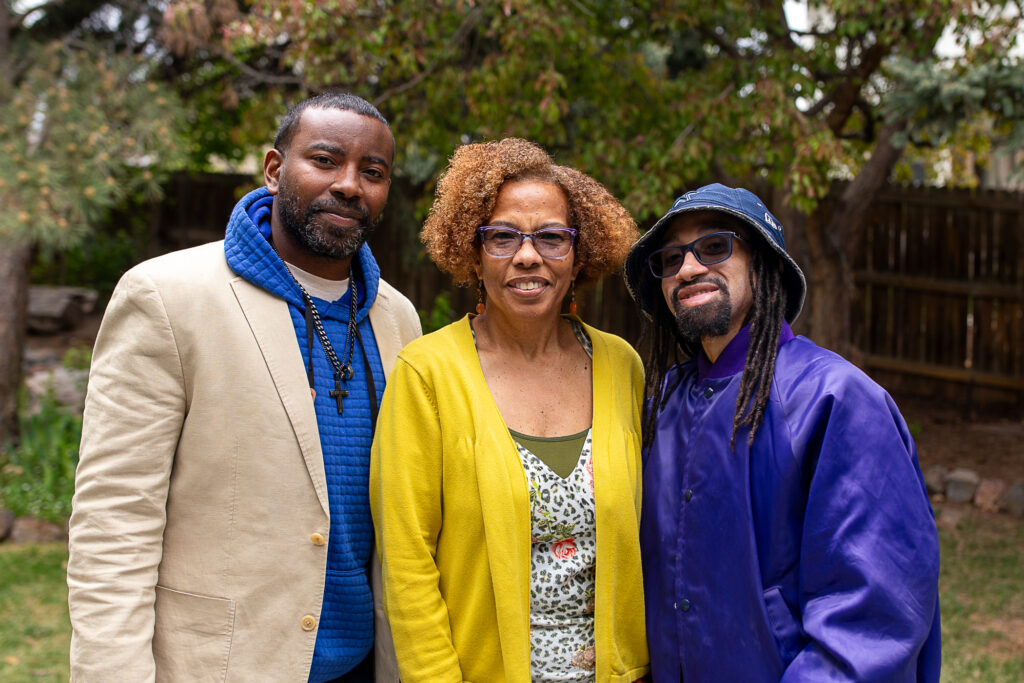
(786, 530)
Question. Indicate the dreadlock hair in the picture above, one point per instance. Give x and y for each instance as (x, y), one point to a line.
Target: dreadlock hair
(665, 347)
(765, 317)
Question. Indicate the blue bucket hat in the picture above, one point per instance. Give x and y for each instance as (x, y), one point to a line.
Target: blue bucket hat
(644, 287)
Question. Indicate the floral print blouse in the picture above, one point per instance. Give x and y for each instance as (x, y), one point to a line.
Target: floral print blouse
(562, 576)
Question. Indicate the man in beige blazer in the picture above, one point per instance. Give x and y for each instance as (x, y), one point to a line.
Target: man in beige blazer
(221, 527)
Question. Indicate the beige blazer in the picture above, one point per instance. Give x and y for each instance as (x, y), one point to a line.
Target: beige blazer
(198, 534)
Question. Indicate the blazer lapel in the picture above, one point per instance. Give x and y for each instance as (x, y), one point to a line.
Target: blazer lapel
(272, 327)
(385, 331)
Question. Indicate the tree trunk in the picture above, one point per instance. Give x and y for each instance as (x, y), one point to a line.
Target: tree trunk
(795, 229)
(14, 268)
(832, 241)
(5, 39)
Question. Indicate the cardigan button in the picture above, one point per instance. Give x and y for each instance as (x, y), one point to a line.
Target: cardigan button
(318, 539)
(687, 495)
(308, 622)
(684, 605)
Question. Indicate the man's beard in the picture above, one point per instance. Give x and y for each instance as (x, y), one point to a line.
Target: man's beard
(708, 320)
(319, 238)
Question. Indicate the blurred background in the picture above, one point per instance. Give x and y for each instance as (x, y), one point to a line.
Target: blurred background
(887, 137)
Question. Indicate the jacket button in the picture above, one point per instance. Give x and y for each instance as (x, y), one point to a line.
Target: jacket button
(308, 622)
(709, 392)
(317, 539)
(688, 494)
(684, 605)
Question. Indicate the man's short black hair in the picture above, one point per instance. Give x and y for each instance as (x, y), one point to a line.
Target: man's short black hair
(331, 100)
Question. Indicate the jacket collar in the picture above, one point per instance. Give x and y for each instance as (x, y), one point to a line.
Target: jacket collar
(733, 358)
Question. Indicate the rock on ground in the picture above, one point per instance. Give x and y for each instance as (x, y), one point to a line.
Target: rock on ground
(988, 494)
(1013, 500)
(961, 484)
(29, 530)
(6, 522)
(935, 479)
(67, 385)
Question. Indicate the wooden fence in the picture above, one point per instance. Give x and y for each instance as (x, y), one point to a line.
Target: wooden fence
(939, 278)
(940, 284)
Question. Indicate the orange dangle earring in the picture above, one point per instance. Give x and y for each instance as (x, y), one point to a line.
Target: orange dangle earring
(572, 297)
(480, 306)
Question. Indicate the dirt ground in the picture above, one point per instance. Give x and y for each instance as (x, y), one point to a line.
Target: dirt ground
(991, 446)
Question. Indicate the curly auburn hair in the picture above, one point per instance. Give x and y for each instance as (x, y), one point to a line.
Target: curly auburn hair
(468, 190)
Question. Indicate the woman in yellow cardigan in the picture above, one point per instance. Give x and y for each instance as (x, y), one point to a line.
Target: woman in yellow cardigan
(505, 475)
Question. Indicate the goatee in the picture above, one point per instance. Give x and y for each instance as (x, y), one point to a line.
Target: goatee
(321, 238)
(708, 320)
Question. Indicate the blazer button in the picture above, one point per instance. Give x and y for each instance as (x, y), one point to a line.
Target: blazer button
(709, 392)
(317, 539)
(308, 622)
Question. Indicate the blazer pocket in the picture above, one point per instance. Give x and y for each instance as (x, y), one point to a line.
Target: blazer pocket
(192, 638)
(789, 634)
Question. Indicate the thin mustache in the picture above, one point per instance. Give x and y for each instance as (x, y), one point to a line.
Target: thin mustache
(334, 207)
(706, 279)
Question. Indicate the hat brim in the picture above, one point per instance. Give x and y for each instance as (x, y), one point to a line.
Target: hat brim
(646, 289)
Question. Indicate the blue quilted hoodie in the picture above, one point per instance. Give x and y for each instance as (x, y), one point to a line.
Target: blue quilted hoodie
(345, 633)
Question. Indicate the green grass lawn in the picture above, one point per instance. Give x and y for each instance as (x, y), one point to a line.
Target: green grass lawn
(982, 588)
(982, 594)
(34, 629)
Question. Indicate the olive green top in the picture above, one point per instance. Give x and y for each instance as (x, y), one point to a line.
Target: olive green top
(559, 453)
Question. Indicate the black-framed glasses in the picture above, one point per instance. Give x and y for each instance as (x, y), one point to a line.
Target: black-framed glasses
(708, 250)
(503, 242)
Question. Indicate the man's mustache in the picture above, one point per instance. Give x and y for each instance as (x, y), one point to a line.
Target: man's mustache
(720, 283)
(338, 207)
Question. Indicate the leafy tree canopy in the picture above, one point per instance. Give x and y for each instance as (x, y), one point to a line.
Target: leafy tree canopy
(84, 129)
(650, 97)
(84, 118)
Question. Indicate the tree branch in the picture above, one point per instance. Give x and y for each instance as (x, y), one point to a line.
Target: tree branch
(856, 198)
(685, 133)
(253, 73)
(716, 38)
(844, 96)
(5, 47)
(468, 22)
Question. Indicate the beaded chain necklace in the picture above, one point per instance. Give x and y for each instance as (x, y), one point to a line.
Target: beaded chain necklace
(342, 371)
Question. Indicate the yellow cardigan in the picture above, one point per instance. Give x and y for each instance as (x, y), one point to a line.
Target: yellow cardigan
(452, 516)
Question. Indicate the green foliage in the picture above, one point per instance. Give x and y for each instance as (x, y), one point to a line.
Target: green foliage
(35, 631)
(650, 98)
(939, 101)
(77, 357)
(84, 128)
(37, 476)
(116, 244)
(439, 315)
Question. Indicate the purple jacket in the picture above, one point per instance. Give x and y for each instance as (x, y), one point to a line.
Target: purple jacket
(810, 556)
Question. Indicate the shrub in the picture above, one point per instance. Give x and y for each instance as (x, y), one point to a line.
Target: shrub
(439, 315)
(37, 476)
(78, 357)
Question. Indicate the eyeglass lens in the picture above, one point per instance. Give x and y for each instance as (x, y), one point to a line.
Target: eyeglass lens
(505, 242)
(709, 250)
